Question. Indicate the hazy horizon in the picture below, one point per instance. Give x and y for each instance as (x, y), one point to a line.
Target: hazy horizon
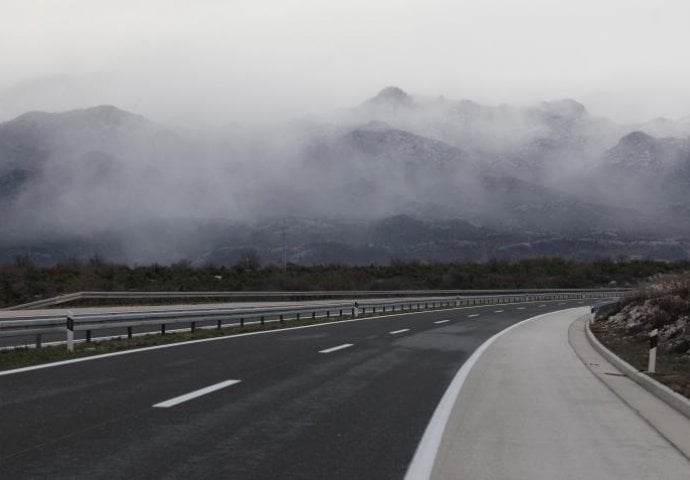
(215, 63)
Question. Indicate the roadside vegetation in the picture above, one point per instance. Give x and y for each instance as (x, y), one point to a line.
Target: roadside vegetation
(662, 303)
(24, 281)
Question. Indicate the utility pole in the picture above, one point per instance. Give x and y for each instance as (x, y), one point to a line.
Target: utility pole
(284, 251)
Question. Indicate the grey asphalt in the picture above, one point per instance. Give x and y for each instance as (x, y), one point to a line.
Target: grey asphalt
(358, 412)
(531, 409)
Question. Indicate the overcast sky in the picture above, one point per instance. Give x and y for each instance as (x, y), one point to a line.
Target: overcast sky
(212, 62)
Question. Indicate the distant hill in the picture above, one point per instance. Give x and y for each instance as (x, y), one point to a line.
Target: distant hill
(397, 176)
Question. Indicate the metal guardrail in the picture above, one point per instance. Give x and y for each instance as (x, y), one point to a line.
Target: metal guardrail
(295, 295)
(601, 308)
(28, 326)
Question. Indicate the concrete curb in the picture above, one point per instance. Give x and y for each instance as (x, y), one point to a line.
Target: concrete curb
(659, 390)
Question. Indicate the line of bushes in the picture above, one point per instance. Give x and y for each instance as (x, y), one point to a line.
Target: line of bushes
(23, 281)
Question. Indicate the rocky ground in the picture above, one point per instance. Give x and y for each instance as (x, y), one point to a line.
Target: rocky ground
(663, 304)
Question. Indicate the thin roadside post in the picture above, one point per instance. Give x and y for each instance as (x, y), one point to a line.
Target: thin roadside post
(70, 331)
(653, 342)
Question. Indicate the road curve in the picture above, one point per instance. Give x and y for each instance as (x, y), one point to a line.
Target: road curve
(531, 409)
(339, 401)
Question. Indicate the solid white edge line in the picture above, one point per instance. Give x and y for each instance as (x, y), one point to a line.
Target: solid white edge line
(423, 461)
(442, 321)
(473, 315)
(498, 311)
(195, 394)
(395, 332)
(215, 339)
(335, 349)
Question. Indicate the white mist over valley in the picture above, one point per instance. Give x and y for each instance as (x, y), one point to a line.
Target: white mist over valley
(430, 130)
(398, 176)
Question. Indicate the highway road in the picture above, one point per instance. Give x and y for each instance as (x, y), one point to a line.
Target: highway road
(154, 327)
(345, 400)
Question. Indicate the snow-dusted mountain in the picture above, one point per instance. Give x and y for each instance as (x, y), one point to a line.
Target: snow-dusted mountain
(398, 176)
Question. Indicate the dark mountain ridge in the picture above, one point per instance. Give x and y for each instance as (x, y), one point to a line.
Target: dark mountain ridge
(399, 176)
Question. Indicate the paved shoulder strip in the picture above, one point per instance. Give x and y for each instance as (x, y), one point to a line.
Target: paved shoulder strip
(423, 461)
(195, 394)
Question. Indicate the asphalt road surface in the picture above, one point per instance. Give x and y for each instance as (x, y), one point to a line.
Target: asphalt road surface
(345, 400)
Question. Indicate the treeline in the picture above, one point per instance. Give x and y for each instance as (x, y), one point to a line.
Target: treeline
(23, 281)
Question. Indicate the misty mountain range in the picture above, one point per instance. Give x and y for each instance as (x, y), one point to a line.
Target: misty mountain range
(397, 177)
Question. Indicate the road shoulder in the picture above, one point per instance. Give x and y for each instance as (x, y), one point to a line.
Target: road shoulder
(670, 423)
(530, 408)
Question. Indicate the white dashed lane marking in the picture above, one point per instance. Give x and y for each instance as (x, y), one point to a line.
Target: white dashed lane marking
(195, 394)
(335, 349)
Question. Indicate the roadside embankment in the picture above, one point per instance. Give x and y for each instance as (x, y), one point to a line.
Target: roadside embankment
(664, 305)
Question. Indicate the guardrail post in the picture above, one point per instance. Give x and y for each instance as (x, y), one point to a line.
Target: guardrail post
(281, 318)
(341, 312)
(313, 315)
(262, 320)
(38, 340)
(88, 336)
(384, 309)
(242, 321)
(129, 333)
(70, 332)
(162, 328)
(353, 313)
(297, 316)
(193, 327)
(328, 314)
(219, 324)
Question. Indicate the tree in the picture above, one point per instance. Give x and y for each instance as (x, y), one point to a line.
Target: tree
(248, 259)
